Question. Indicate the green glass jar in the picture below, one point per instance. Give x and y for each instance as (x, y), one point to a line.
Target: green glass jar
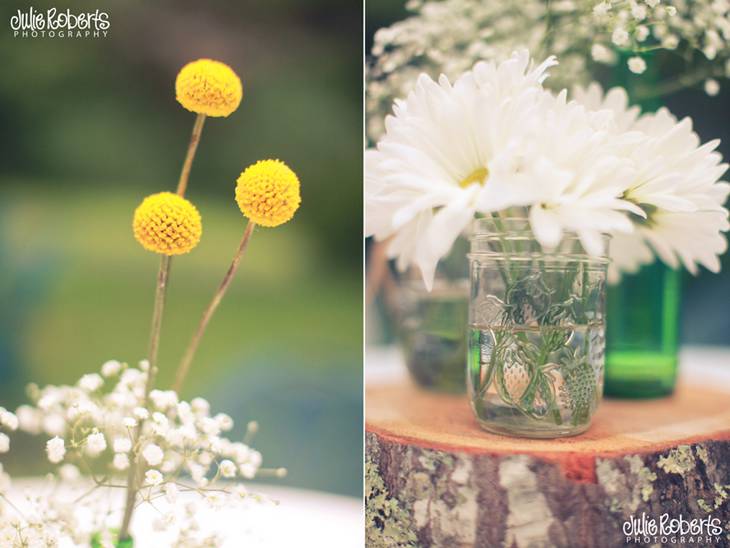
(642, 335)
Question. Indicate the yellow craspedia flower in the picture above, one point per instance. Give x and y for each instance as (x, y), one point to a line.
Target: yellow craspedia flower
(268, 193)
(208, 87)
(167, 223)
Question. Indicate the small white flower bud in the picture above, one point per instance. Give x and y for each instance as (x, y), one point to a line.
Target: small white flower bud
(111, 368)
(227, 468)
(56, 449)
(153, 454)
(122, 445)
(95, 443)
(153, 477)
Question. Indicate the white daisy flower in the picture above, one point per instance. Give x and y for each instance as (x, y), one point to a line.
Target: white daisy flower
(492, 141)
(676, 182)
(579, 177)
(451, 150)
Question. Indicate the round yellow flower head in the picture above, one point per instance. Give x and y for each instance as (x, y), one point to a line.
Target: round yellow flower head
(167, 223)
(208, 87)
(268, 193)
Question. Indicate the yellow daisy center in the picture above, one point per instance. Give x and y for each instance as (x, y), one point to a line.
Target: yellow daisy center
(479, 175)
(167, 223)
(267, 192)
(208, 87)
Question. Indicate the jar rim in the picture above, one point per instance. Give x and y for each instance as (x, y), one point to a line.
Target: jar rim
(514, 225)
(513, 236)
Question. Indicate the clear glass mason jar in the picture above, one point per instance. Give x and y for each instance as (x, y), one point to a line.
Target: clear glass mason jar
(431, 323)
(536, 338)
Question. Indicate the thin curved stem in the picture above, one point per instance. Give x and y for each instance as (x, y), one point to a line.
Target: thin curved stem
(184, 367)
(182, 183)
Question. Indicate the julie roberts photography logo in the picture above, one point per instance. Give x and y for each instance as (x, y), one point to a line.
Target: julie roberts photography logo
(673, 530)
(55, 23)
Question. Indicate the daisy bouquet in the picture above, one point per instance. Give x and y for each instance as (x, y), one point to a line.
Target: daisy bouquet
(136, 443)
(496, 144)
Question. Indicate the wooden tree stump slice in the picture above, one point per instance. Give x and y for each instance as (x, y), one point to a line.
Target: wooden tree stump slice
(435, 478)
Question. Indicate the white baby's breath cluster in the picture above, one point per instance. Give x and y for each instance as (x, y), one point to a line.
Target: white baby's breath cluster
(105, 424)
(450, 36)
(44, 521)
(496, 142)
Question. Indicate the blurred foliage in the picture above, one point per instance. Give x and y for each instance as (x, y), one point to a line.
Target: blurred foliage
(90, 126)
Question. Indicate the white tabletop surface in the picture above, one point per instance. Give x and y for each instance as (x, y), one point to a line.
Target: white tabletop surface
(300, 519)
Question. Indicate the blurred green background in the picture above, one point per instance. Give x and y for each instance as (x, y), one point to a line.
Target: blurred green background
(705, 297)
(91, 126)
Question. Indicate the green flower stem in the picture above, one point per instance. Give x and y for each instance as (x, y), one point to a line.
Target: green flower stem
(184, 367)
(182, 183)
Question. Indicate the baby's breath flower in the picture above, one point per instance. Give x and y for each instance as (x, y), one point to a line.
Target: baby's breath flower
(111, 368)
(29, 419)
(184, 438)
(9, 420)
(163, 399)
(227, 468)
(268, 193)
(247, 470)
(91, 382)
(140, 413)
(601, 9)
(208, 87)
(225, 422)
(122, 445)
(68, 472)
(153, 477)
(120, 461)
(153, 454)
(712, 87)
(205, 458)
(637, 65)
(95, 443)
(620, 37)
(54, 424)
(167, 223)
(200, 406)
(56, 449)
(210, 426)
(4, 443)
(639, 12)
